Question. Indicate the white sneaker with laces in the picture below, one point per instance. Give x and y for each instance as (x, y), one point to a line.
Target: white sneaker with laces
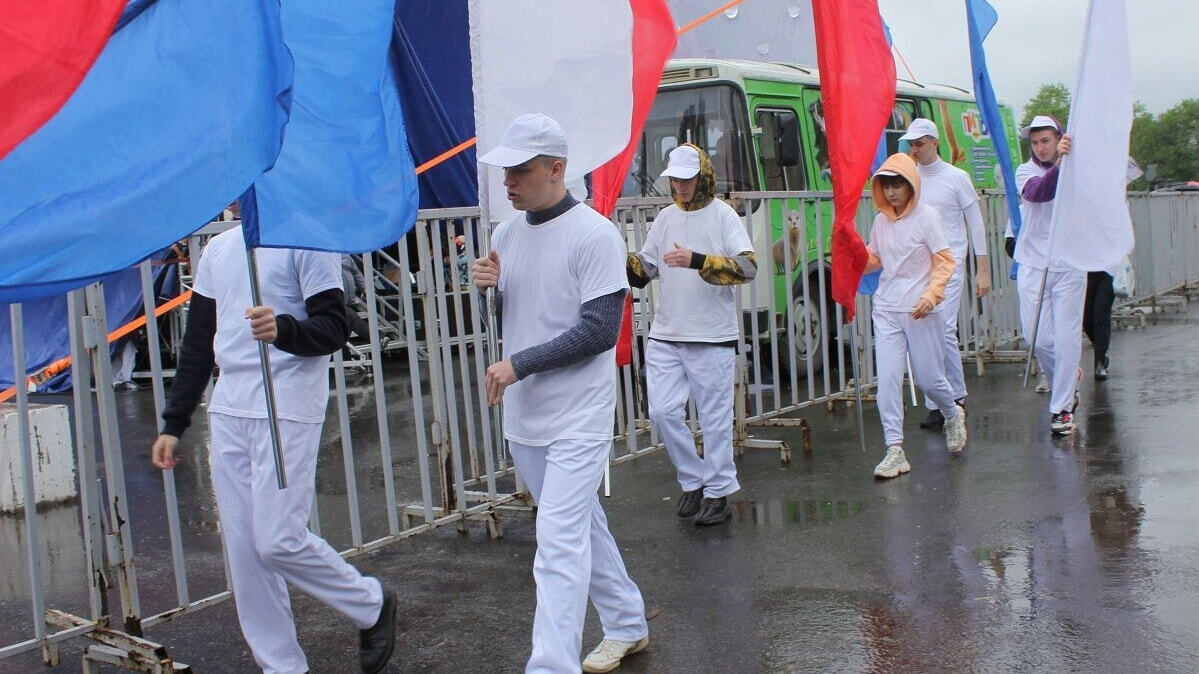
(893, 464)
(1042, 383)
(955, 431)
(608, 654)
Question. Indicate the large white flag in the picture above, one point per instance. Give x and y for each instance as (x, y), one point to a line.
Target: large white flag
(1091, 227)
(569, 59)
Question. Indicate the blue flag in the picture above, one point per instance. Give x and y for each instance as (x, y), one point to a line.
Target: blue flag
(183, 108)
(344, 180)
(980, 19)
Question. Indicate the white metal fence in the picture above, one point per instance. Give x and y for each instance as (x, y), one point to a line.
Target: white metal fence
(419, 447)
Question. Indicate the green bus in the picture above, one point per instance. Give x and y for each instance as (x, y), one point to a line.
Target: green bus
(763, 126)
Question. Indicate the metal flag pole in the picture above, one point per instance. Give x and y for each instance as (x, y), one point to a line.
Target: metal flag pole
(264, 359)
(1036, 326)
(857, 383)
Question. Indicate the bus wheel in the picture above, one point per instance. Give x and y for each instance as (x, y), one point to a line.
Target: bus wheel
(809, 326)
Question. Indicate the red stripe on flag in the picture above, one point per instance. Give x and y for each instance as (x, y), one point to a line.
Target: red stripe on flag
(857, 85)
(46, 49)
(653, 43)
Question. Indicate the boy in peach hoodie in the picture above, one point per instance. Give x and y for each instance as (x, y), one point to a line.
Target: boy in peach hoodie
(908, 243)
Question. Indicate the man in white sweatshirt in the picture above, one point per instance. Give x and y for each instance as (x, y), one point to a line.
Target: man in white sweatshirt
(948, 189)
(699, 250)
(1059, 331)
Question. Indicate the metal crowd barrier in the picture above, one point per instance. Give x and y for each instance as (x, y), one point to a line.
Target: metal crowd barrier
(96, 567)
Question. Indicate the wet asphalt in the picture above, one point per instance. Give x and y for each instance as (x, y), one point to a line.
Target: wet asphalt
(1024, 554)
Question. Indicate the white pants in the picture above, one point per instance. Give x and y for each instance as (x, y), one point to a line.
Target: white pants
(953, 355)
(122, 363)
(268, 541)
(576, 555)
(896, 336)
(675, 372)
(1059, 335)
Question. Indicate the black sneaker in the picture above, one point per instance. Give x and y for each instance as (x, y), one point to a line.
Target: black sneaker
(934, 420)
(713, 511)
(689, 502)
(1101, 369)
(376, 643)
(1062, 423)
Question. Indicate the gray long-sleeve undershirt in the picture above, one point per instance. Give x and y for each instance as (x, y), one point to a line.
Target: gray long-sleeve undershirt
(595, 333)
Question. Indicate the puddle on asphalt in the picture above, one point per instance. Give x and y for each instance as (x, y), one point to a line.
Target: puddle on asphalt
(778, 512)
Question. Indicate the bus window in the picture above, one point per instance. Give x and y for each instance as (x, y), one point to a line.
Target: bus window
(779, 143)
(712, 117)
(901, 118)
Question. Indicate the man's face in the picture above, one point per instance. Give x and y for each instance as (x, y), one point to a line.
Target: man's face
(923, 150)
(897, 192)
(531, 185)
(1044, 145)
(684, 189)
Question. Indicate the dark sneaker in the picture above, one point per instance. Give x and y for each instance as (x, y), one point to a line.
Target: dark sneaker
(376, 643)
(1062, 423)
(1101, 372)
(689, 502)
(934, 420)
(713, 511)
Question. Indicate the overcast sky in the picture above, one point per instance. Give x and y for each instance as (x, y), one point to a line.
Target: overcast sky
(1038, 41)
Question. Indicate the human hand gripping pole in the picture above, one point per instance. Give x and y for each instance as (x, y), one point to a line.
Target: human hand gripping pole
(262, 325)
(486, 275)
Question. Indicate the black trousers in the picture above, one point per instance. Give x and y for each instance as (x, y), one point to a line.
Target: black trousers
(1097, 313)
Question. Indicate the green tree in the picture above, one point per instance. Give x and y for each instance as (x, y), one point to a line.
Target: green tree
(1171, 144)
(1139, 143)
(1051, 99)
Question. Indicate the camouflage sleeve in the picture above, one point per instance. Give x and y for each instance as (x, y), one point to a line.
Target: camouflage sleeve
(726, 270)
(640, 270)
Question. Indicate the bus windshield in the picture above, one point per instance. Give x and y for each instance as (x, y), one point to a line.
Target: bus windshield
(712, 117)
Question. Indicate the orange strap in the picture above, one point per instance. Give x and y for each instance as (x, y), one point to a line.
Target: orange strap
(45, 374)
(710, 15)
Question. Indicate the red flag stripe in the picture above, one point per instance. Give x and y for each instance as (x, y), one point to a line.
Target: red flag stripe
(857, 84)
(46, 49)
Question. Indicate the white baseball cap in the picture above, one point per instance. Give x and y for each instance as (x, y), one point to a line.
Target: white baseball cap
(526, 137)
(683, 163)
(920, 128)
(1038, 122)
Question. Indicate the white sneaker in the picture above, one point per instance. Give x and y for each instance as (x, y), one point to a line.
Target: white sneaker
(955, 431)
(893, 464)
(608, 654)
(1042, 383)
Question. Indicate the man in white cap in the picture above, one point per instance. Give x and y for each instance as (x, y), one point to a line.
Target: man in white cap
(1059, 332)
(948, 189)
(560, 301)
(699, 250)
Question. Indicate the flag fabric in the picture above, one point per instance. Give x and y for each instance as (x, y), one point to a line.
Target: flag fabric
(344, 179)
(569, 59)
(1091, 227)
(857, 84)
(45, 50)
(981, 17)
(654, 40)
(182, 109)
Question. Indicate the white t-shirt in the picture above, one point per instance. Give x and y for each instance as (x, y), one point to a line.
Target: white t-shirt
(948, 189)
(547, 272)
(286, 278)
(690, 309)
(1032, 246)
(906, 247)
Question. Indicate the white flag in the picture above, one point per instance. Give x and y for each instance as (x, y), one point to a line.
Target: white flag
(569, 59)
(1091, 227)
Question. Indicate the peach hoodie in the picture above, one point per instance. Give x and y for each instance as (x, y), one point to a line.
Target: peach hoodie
(943, 262)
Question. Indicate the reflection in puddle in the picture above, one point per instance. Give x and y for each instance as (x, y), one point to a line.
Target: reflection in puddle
(776, 513)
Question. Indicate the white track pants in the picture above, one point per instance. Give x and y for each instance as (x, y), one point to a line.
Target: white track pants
(896, 336)
(268, 541)
(675, 372)
(1059, 335)
(576, 555)
(953, 354)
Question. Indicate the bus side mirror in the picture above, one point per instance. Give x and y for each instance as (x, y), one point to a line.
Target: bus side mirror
(788, 140)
